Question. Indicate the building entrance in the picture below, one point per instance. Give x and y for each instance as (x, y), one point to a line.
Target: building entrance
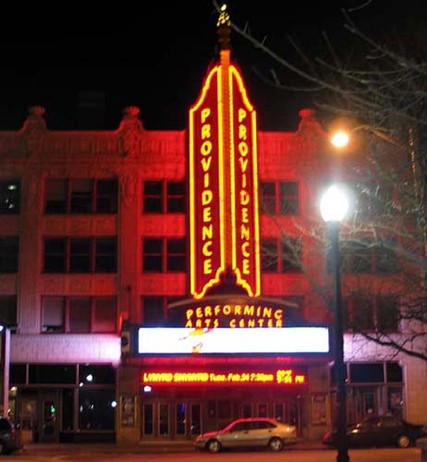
(185, 418)
(49, 422)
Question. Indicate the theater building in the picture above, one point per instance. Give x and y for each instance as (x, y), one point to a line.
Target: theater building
(158, 283)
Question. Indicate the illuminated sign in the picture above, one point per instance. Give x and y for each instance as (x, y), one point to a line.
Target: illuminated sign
(288, 340)
(207, 260)
(224, 228)
(277, 377)
(233, 315)
(244, 187)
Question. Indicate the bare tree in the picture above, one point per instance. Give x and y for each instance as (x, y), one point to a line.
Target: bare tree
(379, 89)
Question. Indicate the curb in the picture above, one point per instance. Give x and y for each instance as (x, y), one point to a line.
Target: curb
(146, 447)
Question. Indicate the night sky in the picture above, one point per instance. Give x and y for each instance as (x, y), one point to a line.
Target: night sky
(155, 54)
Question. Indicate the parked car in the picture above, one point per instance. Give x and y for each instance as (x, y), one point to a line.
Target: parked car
(378, 431)
(254, 432)
(10, 437)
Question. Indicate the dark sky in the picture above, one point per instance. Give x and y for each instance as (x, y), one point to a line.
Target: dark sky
(154, 55)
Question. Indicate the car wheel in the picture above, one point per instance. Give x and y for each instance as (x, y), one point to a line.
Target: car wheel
(213, 446)
(275, 444)
(403, 441)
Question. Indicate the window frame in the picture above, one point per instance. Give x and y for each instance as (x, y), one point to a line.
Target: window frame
(66, 303)
(275, 200)
(65, 257)
(10, 196)
(72, 200)
(158, 257)
(280, 250)
(163, 199)
(9, 254)
(371, 319)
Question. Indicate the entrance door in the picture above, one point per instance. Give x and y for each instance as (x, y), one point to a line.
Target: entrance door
(49, 421)
(364, 401)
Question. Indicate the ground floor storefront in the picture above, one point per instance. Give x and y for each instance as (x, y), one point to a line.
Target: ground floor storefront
(169, 405)
(64, 402)
(174, 399)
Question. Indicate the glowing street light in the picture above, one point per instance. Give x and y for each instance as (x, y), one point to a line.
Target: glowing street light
(333, 208)
(340, 139)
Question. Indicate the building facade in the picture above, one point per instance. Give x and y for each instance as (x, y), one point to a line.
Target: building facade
(157, 284)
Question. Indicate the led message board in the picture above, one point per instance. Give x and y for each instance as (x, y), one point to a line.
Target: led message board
(288, 340)
(277, 377)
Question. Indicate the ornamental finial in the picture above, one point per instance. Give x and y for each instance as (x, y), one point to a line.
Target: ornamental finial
(224, 29)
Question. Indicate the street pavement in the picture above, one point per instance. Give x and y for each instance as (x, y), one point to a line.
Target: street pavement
(184, 451)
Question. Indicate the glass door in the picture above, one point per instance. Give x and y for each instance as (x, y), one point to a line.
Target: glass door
(49, 419)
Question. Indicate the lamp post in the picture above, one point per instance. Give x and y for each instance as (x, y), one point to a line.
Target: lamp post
(333, 208)
(5, 363)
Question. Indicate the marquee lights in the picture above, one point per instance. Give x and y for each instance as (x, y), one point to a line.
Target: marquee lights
(277, 377)
(287, 340)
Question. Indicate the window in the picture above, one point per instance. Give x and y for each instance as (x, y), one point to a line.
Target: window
(51, 373)
(373, 199)
(155, 310)
(148, 418)
(366, 373)
(379, 313)
(8, 310)
(96, 408)
(375, 372)
(280, 198)
(81, 196)
(295, 312)
(281, 256)
(164, 255)
(164, 197)
(80, 255)
(366, 256)
(10, 196)
(163, 419)
(9, 251)
(79, 314)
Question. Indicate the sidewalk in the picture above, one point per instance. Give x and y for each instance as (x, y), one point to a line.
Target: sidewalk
(145, 447)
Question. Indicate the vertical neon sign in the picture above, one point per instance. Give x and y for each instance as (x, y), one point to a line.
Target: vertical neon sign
(224, 227)
(207, 260)
(244, 187)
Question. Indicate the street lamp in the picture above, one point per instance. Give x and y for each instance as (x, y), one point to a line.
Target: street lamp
(333, 208)
(5, 363)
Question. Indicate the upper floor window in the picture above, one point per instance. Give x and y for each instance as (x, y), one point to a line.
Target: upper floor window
(9, 252)
(164, 196)
(8, 310)
(162, 255)
(10, 196)
(373, 199)
(281, 256)
(372, 313)
(294, 310)
(366, 256)
(79, 314)
(280, 198)
(80, 255)
(155, 310)
(81, 196)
